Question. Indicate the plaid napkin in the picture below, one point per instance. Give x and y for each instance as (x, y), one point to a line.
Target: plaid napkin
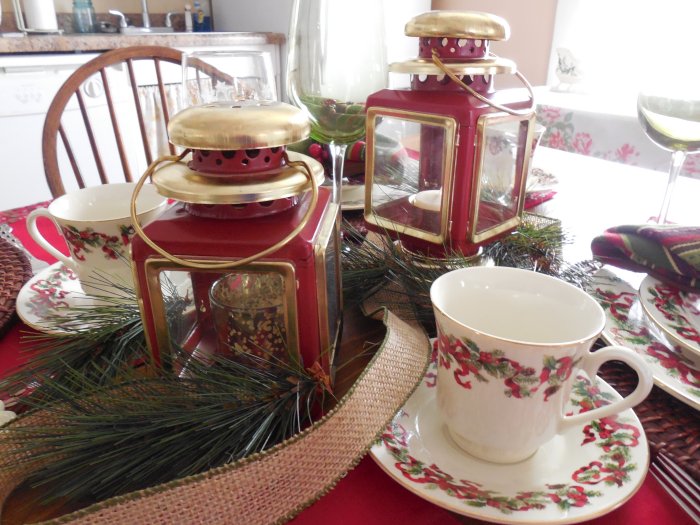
(668, 252)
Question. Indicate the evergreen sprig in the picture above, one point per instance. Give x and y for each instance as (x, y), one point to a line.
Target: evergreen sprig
(365, 265)
(109, 440)
(100, 336)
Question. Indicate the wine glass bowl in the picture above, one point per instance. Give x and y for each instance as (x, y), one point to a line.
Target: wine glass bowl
(337, 58)
(333, 120)
(672, 122)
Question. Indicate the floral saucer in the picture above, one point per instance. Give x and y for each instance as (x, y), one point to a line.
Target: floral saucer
(579, 475)
(677, 313)
(676, 370)
(46, 293)
(539, 180)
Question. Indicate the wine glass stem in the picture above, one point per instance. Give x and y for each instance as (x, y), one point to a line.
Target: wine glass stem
(677, 160)
(337, 164)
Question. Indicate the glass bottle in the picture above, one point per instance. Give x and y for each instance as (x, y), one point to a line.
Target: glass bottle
(84, 20)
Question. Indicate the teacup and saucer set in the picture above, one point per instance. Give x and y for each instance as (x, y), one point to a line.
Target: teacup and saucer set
(95, 223)
(510, 423)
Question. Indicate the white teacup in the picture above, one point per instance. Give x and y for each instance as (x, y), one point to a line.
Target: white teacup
(96, 225)
(510, 344)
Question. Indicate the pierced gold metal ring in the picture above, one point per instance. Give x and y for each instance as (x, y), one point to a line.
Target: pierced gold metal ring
(229, 264)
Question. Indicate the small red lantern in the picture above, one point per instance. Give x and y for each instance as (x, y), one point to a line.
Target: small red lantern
(252, 240)
(447, 159)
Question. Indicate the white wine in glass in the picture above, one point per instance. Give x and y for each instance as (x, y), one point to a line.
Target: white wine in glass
(337, 57)
(674, 124)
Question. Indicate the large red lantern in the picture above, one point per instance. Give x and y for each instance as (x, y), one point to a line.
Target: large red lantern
(447, 159)
(251, 241)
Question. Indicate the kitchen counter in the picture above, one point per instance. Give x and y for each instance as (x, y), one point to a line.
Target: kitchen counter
(104, 41)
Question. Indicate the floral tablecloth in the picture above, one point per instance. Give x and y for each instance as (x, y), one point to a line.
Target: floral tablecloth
(596, 132)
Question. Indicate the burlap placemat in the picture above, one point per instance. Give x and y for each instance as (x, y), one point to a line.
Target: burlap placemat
(274, 486)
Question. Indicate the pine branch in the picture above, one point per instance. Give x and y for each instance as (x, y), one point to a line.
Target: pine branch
(109, 440)
(102, 337)
(364, 264)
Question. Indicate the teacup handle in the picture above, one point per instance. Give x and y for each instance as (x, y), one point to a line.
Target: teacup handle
(591, 363)
(36, 235)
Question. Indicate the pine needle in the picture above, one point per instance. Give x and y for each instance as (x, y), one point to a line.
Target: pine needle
(101, 337)
(365, 265)
(109, 440)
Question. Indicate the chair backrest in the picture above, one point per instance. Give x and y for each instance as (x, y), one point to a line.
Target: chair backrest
(111, 117)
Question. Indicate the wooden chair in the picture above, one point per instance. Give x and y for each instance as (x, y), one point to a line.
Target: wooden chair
(101, 120)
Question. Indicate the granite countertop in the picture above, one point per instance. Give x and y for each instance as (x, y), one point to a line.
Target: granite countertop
(104, 41)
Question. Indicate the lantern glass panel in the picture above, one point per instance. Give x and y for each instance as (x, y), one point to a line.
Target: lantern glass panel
(235, 312)
(502, 156)
(409, 172)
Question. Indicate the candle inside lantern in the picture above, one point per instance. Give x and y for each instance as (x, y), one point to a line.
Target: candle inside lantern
(249, 316)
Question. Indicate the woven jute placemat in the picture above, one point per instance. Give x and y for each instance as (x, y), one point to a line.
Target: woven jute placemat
(274, 486)
(15, 270)
(671, 426)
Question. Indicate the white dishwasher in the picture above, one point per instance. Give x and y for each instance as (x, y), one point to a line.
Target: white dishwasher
(28, 84)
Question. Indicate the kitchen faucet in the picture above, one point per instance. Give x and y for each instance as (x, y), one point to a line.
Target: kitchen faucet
(144, 13)
(125, 28)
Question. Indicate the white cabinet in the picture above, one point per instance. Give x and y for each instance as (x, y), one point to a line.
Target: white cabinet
(27, 87)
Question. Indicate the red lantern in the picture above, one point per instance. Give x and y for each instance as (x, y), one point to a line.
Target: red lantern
(252, 241)
(447, 159)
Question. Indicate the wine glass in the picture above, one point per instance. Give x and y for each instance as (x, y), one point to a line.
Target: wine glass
(211, 76)
(672, 121)
(337, 57)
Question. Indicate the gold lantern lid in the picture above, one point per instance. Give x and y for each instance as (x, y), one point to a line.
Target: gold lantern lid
(233, 126)
(459, 24)
(239, 125)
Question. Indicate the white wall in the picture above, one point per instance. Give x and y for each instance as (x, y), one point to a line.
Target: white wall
(625, 44)
(531, 24)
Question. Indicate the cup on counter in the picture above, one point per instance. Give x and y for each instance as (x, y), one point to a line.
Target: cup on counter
(510, 344)
(243, 75)
(96, 225)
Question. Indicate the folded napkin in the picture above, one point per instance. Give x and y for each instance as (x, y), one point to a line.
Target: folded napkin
(668, 252)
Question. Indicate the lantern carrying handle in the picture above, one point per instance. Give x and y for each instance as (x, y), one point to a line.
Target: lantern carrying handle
(440, 64)
(228, 264)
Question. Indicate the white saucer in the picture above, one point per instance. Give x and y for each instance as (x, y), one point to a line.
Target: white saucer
(570, 479)
(677, 313)
(54, 288)
(675, 369)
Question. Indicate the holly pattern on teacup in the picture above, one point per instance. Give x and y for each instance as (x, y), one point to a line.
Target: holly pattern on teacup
(83, 241)
(50, 292)
(671, 302)
(467, 361)
(613, 436)
(618, 305)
